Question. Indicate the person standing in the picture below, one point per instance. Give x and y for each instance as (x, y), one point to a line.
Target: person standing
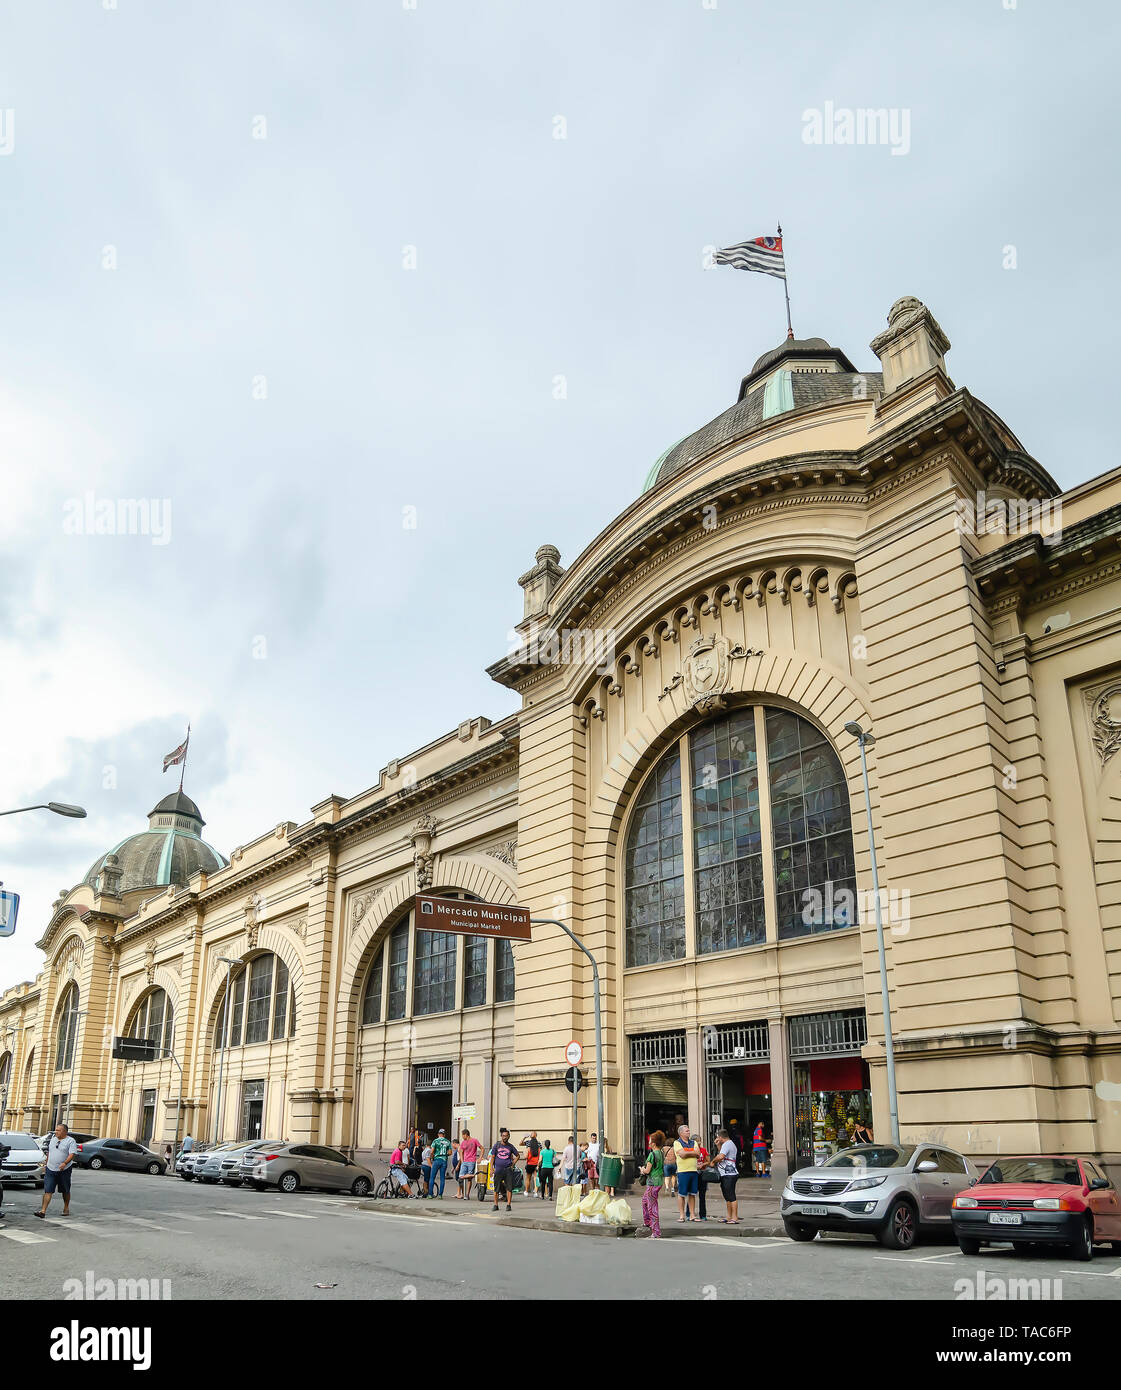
(503, 1158)
(532, 1160)
(568, 1159)
(669, 1167)
(56, 1178)
(188, 1142)
(704, 1168)
(686, 1153)
(468, 1159)
(652, 1174)
(440, 1150)
(426, 1171)
(548, 1163)
(861, 1134)
(727, 1167)
(759, 1150)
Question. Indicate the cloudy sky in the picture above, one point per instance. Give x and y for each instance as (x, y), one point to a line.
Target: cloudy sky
(291, 270)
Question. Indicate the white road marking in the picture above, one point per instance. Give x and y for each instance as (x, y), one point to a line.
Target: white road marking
(239, 1215)
(151, 1225)
(1095, 1273)
(67, 1224)
(296, 1215)
(426, 1220)
(25, 1237)
(920, 1259)
(182, 1216)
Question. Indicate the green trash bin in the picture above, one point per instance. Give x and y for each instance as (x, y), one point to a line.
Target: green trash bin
(610, 1170)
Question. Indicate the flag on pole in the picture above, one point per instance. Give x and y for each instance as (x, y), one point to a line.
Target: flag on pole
(179, 755)
(763, 253)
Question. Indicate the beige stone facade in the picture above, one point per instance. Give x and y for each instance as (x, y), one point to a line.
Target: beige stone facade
(679, 788)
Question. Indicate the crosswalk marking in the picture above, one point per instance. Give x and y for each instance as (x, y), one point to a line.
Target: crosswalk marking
(25, 1237)
(151, 1225)
(240, 1215)
(67, 1224)
(182, 1216)
(297, 1215)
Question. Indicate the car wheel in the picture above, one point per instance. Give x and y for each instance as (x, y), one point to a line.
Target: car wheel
(1115, 1246)
(289, 1182)
(187, 1177)
(968, 1246)
(797, 1231)
(900, 1230)
(360, 1187)
(97, 1163)
(152, 1168)
(1083, 1247)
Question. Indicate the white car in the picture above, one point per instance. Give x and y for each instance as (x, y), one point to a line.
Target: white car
(24, 1161)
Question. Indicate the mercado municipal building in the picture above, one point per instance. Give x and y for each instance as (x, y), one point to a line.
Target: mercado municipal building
(679, 787)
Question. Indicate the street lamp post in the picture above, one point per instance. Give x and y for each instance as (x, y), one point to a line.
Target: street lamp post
(552, 922)
(866, 741)
(229, 964)
(60, 808)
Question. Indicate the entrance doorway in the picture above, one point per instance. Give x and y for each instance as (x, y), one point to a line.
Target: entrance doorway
(829, 1081)
(738, 1083)
(432, 1099)
(252, 1109)
(659, 1087)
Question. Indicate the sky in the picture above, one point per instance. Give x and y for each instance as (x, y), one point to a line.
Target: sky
(366, 300)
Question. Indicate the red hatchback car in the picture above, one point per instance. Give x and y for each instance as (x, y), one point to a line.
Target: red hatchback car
(1050, 1199)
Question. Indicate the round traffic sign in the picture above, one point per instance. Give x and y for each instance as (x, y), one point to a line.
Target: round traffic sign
(573, 1054)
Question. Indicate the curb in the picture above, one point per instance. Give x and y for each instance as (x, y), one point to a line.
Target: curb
(575, 1228)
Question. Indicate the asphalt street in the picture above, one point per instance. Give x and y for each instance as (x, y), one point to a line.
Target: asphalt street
(232, 1243)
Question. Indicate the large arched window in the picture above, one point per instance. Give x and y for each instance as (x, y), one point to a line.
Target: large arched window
(434, 959)
(262, 1004)
(154, 1020)
(67, 1029)
(765, 838)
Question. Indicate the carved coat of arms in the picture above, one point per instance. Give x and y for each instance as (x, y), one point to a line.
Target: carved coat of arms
(706, 669)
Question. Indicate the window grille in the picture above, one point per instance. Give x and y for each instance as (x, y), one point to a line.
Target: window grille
(658, 1052)
(828, 1035)
(735, 1042)
(433, 1076)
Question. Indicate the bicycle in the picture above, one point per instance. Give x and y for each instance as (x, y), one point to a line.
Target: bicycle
(387, 1188)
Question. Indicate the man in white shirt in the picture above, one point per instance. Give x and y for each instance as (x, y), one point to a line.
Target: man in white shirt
(56, 1178)
(568, 1159)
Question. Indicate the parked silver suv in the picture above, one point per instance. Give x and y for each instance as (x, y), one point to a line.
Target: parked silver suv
(292, 1166)
(892, 1191)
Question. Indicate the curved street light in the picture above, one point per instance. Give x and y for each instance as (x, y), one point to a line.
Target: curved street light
(60, 808)
(866, 741)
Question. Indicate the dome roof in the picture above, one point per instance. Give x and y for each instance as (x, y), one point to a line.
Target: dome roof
(171, 850)
(794, 345)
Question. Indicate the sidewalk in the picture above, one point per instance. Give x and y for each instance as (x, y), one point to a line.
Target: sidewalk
(758, 1208)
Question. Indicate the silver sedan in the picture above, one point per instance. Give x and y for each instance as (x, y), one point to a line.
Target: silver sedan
(891, 1191)
(289, 1167)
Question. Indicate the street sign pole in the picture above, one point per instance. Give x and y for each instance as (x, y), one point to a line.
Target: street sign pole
(552, 922)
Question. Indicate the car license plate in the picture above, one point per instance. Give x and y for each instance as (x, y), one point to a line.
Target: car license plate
(813, 1211)
(1005, 1218)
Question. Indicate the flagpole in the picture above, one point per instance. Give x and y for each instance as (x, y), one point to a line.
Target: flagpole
(786, 288)
(183, 765)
